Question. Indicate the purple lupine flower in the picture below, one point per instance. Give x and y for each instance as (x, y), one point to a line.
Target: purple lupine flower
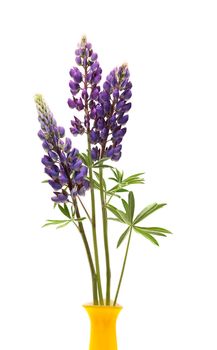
(61, 162)
(77, 127)
(95, 153)
(105, 111)
(85, 86)
(60, 197)
(112, 108)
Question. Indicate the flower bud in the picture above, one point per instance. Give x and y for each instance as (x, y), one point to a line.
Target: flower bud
(94, 56)
(59, 198)
(71, 103)
(95, 153)
(55, 185)
(61, 131)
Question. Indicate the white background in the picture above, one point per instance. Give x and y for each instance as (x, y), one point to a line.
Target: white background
(168, 293)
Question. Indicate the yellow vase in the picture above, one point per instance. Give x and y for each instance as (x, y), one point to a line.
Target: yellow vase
(103, 326)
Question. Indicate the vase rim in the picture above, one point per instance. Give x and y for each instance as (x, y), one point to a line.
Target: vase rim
(91, 305)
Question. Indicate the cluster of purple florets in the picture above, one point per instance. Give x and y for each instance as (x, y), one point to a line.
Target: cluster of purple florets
(66, 171)
(105, 111)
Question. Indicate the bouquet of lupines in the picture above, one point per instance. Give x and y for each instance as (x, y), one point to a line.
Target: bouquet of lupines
(101, 115)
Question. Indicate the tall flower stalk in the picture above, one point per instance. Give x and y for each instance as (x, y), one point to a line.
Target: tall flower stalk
(65, 169)
(105, 236)
(101, 115)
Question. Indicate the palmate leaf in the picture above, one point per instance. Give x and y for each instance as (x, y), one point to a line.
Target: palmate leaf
(112, 194)
(115, 192)
(135, 179)
(147, 211)
(131, 204)
(119, 214)
(63, 225)
(121, 190)
(156, 231)
(113, 179)
(100, 163)
(145, 234)
(123, 236)
(114, 219)
(118, 175)
(126, 207)
(55, 222)
(102, 166)
(96, 184)
(64, 209)
(85, 159)
(115, 212)
(122, 183)
(98, 178)
(79, 220)
(127, 218)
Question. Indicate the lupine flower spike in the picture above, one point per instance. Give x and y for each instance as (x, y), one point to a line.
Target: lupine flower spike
(105, 110)
(66, 172)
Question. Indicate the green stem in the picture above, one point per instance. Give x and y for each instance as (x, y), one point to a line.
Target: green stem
(89, 256)
(93, 222)
(123, 268)
(105, 235)
(109, 199)
(83, 206)
(93, 219)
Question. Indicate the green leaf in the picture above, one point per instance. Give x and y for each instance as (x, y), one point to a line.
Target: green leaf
(147, 211)
(136, 178)
(122, 190)
(85, 159)
(151, 232)
(63, 225)
(67, 211)
(102, 166)
(114, 219)
(126, 206)
(80, 219)
(109, 193)
(44, 181)
(114, 212)
(47, 224)
(118, 177)
(158, 231)
(96, 185)
(120, 215)
(123, 236)
(64, 210)
(133, 182)
(113, 179)
(100, 163)
(116, 188)
(98, 178)
(145, 234)
(133, 179)
(118, 174)
(97, 175)
(54, 222)
(131, 202)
